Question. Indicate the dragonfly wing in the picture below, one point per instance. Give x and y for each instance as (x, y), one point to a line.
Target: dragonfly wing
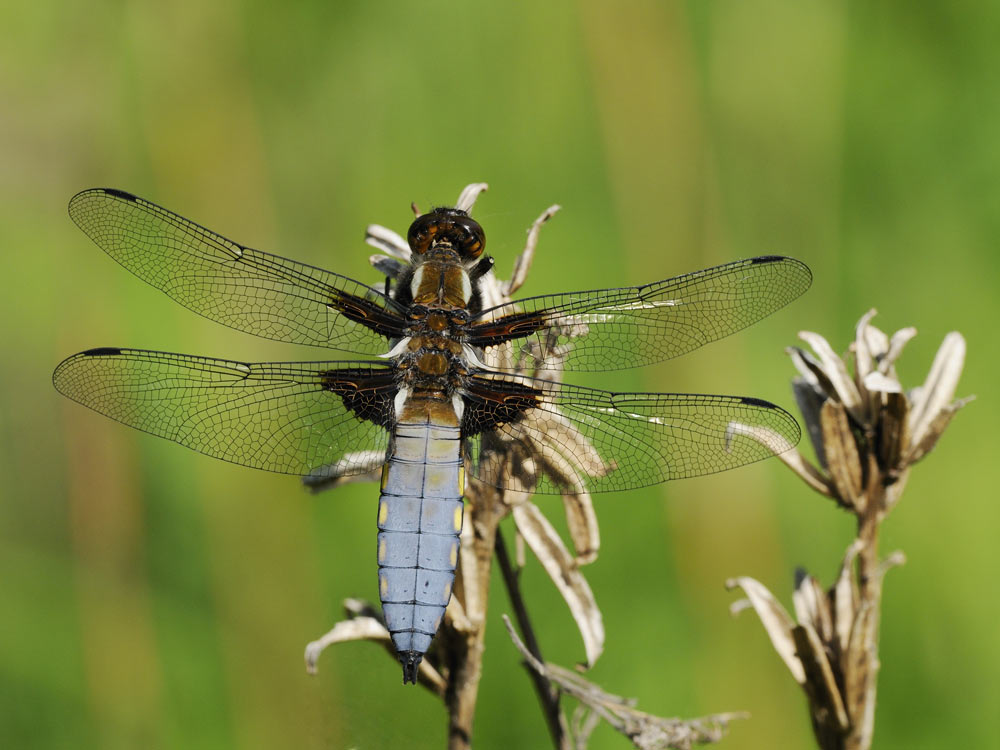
(613, 329)
(235, 285)
(613, 441)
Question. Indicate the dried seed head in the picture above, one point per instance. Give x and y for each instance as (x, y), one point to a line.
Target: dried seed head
(866, 429)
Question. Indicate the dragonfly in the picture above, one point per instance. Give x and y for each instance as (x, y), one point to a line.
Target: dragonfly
(423, 395)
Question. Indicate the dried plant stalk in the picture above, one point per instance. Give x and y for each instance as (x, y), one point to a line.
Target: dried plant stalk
(867, 433)
(644, 730)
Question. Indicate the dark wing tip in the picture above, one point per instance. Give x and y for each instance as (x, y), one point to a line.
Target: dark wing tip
(69, 362)
(751, 401)
(116, 193)
(803, 268)
(102, 351)
(410, 661)
(790, 428)
(84, 194)
(113, 192)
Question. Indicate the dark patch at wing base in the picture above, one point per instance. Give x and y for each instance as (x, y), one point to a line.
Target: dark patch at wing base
(506, 328)
(493, 402)
(367, 393)
(368, 314)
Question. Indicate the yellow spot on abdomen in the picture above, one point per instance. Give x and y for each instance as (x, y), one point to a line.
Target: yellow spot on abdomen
(447, 591)
(383, 586)
(381, 551)
(453, 555)
(383, 507)
(461, 480)
(457, 521)
(385, 476)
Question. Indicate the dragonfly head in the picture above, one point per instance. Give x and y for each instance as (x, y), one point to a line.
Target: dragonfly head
(447, 226)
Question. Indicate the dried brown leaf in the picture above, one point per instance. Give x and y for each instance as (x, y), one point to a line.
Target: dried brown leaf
(842, 459)
(825, 700)
(895, 437)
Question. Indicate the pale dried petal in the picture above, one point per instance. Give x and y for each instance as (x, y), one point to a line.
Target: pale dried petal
(881, 383)
(357, 629)
(845, 597)
(783, 450)
(835, 370)
(583, 528)
(859, 659)
(896, 344)
(522, 264)
(864, 356)
(825, 699)
(563, 437)
(811, 605)
(391, 267)
(473, 598)
(842, 459)
(939, 388)
(388, 241)
(580, 515)
(775, 620)
(543, 540)
(363, 624)
(935, 429)
(359, 466)
(469, 194)
(455, 614)
(773, 441)
(876, 341)
(807, 472)
(809, 368)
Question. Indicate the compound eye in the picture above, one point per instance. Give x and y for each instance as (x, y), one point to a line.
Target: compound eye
(470, 237)
(422, 231)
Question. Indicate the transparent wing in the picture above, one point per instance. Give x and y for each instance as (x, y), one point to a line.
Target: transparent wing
(293, 418)
(612, 329)
(240, 287)
(613, 441)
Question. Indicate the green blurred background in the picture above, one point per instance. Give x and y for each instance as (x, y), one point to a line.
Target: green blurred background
(154, 598)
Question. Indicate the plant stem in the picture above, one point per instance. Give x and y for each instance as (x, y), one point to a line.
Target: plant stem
(548, 696)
